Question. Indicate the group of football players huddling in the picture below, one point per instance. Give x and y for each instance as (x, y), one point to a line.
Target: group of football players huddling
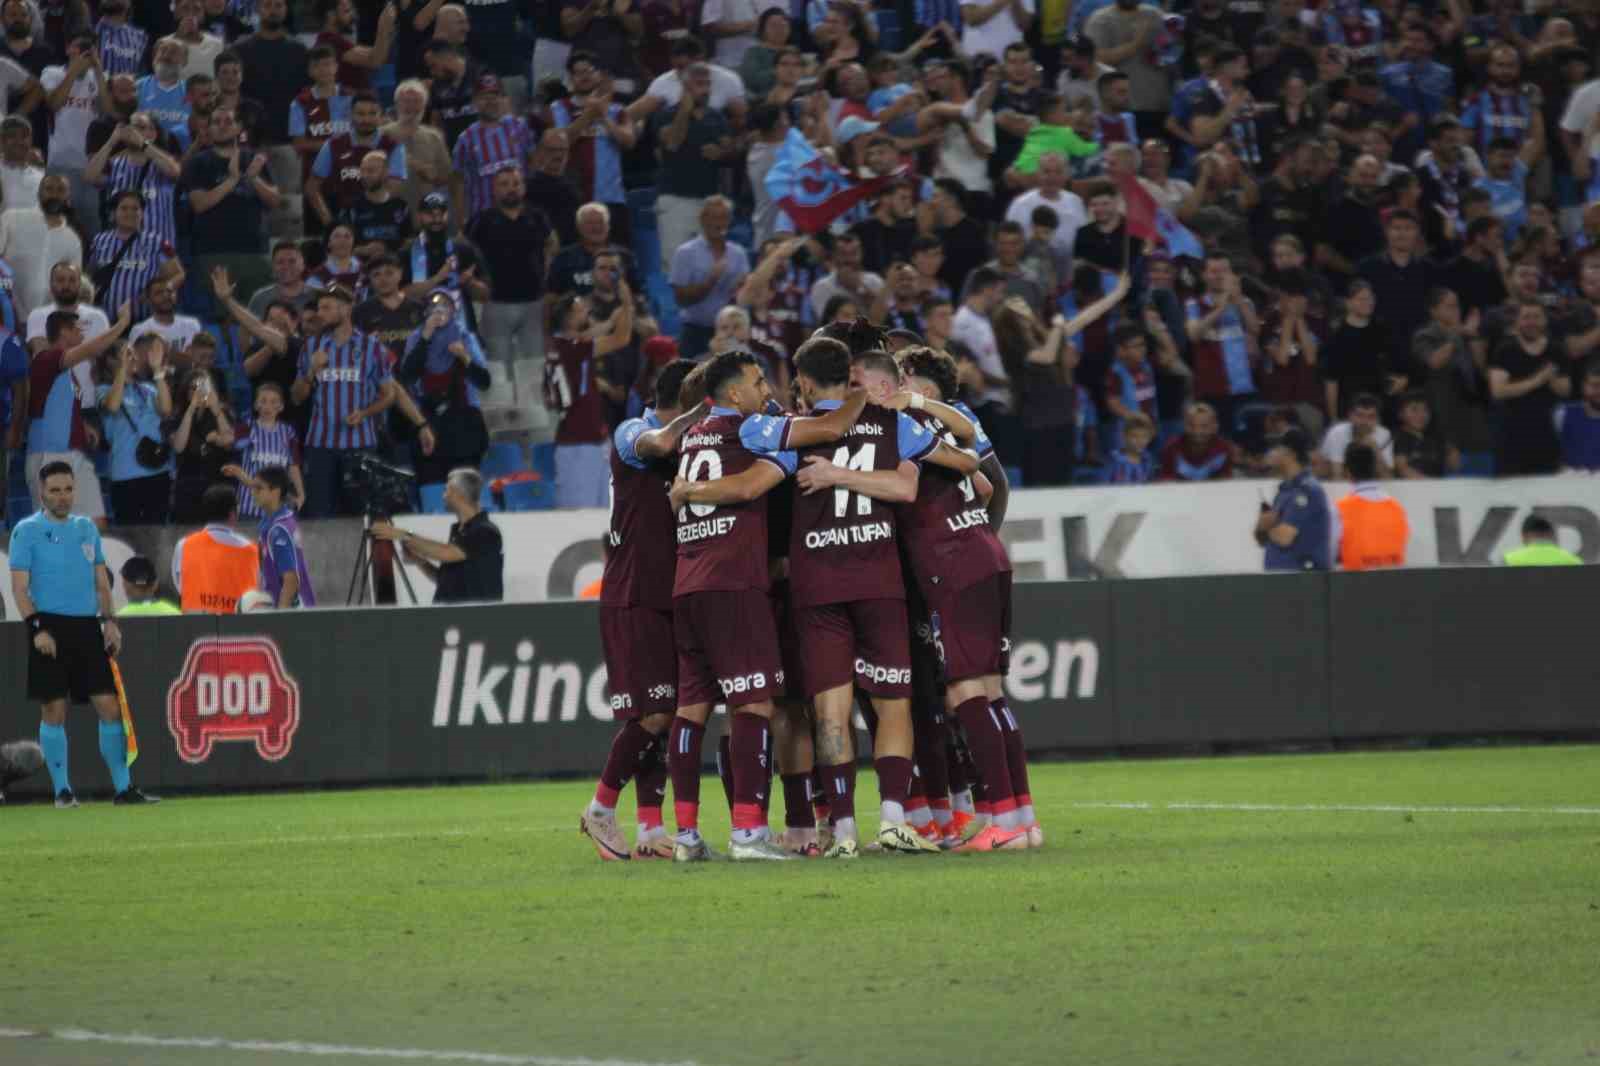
(790, 565)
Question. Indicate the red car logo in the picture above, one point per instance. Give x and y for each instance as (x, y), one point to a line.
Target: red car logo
(233, 688)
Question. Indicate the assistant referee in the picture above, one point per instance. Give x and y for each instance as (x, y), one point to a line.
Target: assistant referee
(58, 577)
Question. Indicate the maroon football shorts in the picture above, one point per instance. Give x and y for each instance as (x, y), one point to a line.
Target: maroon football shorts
(727, 648)
(641, 660)
(866, 642)
(975, 628)
(788, 644)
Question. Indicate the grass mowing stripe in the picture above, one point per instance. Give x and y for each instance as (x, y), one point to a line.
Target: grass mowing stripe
(1329, 808)
(294, 1047)
(296, 841)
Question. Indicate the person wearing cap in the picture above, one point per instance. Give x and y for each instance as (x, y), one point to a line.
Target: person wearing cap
(1539, 547)
(693, 139)
(444, 366)
(436, 260)
(1297, 529)
(495, 142)
(142, 586)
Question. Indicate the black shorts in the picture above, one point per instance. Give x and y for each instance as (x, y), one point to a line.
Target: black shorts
(80, 667)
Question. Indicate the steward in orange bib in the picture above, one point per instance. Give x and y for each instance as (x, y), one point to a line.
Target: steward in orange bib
(1372, 525)
(216, 566)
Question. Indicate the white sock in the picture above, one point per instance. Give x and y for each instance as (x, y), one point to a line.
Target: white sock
(599, 810)
(919, 816)
(647, 834)
(890, 811)
(1009, 820)
(844, 828)
(688, 836)
(1025, 812)
(962, 801)
(748, 836)
(942, 817)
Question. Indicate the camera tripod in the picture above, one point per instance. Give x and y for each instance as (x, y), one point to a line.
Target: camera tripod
(377, 563)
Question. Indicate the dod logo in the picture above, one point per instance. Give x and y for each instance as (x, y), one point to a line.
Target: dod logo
(233, 689)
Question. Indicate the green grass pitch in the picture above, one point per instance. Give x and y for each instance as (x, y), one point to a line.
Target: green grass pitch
(1278, 914)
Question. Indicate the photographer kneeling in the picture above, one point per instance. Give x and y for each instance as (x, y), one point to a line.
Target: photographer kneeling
(471, 566)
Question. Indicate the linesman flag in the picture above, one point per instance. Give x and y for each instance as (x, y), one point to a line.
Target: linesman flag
(127, 715)
(1151, 222)
(812, 191)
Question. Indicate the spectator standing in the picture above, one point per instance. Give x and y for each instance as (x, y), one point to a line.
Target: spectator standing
(1291, 343)
(320, 110)
(266, 443)
(356, 61)
(965, 239)
(572, 390)
(75, 93)
(705, 276)
(273, 64)
(496, 142)
(390, 314)
(1103, 243)
(435, 260)
(968, 134)
(973, 328)
(1580, 424)
(202, 443)
(56, 432)
(453, 86)
(1539, 547)
(1477, 275)
(988, 29)
(1131, 463)
(34, 239)
(277, 360)
(1419, 453)
(1527, 379)
(1372, 524)
(1356, 357)
(1448, 356)
(1222, 328)
(886, 236)
(380, 221)
(247, 110)
(598, 132)
(516, 242)
(1130, 386)
(125, 260)
(163, 95)
(336, 183)
(66, 291)
(13, 401)
(551, 189)
(19, 175)
(131, 161)
(1052, 192)
(1400, 279)
(847, 278)
(427, 157)
(339, 263)
(445, 367)
(201, 49)
(285, 577)
(229, 196)
(1362, 427)
(290, 285)
(1123, 35)
(176, 330)
(1008, 263)
(135, 397)
(345, 374)
(1200, 453)
(471, 566)
(214, 567)
(1297, 528)
(1421, 87)
(693, 138)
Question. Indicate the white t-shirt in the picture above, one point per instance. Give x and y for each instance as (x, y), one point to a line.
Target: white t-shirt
(93, 322)
(19, 186)
(726, 87)
(1581, 108)
(1071, 216)
(1340, 434)
(71, 130)
(730, 50)
(32, 247)
(994, 36)
(956, 157)
(202, 54)
(177, 333)
(975, 331)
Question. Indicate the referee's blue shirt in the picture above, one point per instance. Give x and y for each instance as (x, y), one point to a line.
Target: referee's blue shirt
(60, 560)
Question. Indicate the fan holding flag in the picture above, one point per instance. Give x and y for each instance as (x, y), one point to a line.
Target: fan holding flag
(1152, 223)
(812, 191)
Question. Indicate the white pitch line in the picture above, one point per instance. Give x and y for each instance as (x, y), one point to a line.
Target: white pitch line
(296, 1047)
(1333, 808)
(259, 842)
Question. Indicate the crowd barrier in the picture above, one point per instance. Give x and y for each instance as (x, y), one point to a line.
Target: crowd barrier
(1052, 534)
(393, 695)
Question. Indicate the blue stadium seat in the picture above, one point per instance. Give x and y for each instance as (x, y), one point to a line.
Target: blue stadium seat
(1088, 475)
(544, 462)
(889, 36)
(486, 499)
(432, 499)
(1476, 464)
(504, 457)
(1014, 476)
(529, 496)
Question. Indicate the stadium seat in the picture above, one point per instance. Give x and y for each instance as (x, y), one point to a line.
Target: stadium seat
(1088, 475)
(432, 499)
(1476, 464)
(529, 496)
(889, 37)
(486, 499)
(1014, 476)
(544, 462)
(504, 457)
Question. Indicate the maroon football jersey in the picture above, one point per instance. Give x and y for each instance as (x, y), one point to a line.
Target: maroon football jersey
(640, 559)
(842, 546)
(583, 420)
(342, 188)
(319, 123)
(721, 547)
(946, 528)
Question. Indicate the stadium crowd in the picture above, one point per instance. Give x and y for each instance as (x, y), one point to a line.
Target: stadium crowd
(236, 234)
